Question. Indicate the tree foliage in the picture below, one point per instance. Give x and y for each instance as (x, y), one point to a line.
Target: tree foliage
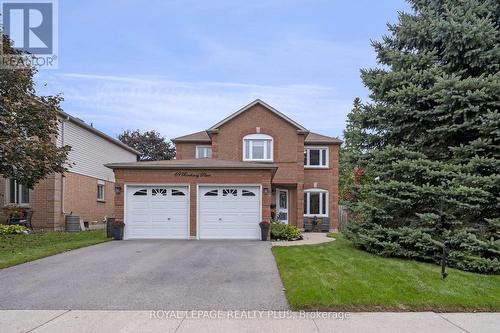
(151, 145)
(430, 148)
(28, 126)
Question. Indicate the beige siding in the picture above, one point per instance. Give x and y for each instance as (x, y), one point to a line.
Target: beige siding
(90, 152)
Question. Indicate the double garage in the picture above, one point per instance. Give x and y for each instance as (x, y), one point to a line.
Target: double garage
(163, 200)
(224, 212)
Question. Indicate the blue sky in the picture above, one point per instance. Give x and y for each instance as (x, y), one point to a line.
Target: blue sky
(181, 66)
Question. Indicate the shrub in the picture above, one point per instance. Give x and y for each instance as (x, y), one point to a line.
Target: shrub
(467, 252)
(281, 231)
(12, 229)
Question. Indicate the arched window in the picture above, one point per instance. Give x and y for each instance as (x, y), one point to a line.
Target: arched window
(316, 202)
(258, 147)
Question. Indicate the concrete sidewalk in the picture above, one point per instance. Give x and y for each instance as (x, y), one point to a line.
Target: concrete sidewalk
(51, 321)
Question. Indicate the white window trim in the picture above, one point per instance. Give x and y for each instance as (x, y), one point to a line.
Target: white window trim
(258, 137)
(198, 156)
(306, 203)
(103, 184)
(7, 195)
(327, 156)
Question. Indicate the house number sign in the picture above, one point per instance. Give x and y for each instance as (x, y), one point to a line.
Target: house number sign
(192, 174)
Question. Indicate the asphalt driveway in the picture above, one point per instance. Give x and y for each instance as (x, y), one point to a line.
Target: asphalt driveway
(149, 275)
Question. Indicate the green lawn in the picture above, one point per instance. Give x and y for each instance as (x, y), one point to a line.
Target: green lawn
(336, 276)
(16, 249)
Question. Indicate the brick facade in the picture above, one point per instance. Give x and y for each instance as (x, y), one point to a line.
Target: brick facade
(151, 177)
(227, 144)
(80, 197)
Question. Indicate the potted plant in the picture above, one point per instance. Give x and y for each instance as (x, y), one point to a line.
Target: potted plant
(315, 222)
(118, 226)
(15, 214)
(265, 226)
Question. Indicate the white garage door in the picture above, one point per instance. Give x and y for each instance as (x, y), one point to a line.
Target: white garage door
(231, 212)
(157, 212)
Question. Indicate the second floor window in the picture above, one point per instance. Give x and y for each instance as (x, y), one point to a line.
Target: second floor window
(203, 152)
(316, 157)
(258, 147)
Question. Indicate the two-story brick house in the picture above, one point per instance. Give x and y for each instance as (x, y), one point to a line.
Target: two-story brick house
(255, 164)
(86, 189)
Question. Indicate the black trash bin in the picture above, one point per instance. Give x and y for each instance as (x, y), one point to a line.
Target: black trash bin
(264, 230)
(118, 230)
(109, 226)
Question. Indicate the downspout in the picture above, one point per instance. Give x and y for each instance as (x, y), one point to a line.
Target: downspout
(63, 177)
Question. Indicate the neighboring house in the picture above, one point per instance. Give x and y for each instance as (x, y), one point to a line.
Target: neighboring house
(87, 189)
(230, 177)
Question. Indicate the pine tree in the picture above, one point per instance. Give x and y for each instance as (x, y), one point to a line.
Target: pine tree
(434, 138)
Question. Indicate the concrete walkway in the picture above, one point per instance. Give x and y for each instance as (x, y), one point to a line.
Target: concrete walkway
(50, 321)
(309, 238)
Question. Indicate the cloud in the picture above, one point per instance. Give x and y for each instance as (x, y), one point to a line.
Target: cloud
(175, 108)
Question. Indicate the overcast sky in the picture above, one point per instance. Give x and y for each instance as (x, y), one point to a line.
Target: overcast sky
(181, 66)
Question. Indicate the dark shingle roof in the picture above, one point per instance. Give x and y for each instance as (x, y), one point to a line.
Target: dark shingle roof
(193, 137)
(319, 138)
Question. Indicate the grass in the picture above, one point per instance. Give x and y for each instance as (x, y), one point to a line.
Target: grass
(18, 249)
(336, 276)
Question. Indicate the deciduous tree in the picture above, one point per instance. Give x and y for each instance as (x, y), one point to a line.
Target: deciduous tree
(151, 145)
(28, 126)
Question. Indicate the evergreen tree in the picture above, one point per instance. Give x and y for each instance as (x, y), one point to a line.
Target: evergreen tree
(351, 168)
(434, 138)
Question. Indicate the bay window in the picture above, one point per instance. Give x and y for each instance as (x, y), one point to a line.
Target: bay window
(315, 202)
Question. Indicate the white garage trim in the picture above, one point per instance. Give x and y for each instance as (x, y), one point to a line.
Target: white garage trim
(158, 184)
(222, 185)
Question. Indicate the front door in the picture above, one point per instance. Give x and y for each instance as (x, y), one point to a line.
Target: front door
(282, 205)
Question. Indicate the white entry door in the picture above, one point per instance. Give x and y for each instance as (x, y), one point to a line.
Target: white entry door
(282, 205)
(229, 212)
(157, 212)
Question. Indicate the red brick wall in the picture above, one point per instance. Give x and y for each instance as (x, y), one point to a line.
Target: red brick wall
(326, 179)
(80, 197)
(144, 177)
(227, 144)
(186, 150)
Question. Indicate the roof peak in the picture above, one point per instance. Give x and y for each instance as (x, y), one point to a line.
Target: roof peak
(299, 127)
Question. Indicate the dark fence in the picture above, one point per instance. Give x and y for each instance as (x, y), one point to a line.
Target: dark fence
(343, 216)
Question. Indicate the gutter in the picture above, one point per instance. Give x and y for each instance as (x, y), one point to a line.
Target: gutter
(191, 167)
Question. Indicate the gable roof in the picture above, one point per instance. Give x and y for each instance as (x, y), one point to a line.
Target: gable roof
(82, 124)
(194, 137)
(319, 138)
(300, 128)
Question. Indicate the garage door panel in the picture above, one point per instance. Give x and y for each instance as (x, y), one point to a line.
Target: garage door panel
(224, 212)
(156, 212)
